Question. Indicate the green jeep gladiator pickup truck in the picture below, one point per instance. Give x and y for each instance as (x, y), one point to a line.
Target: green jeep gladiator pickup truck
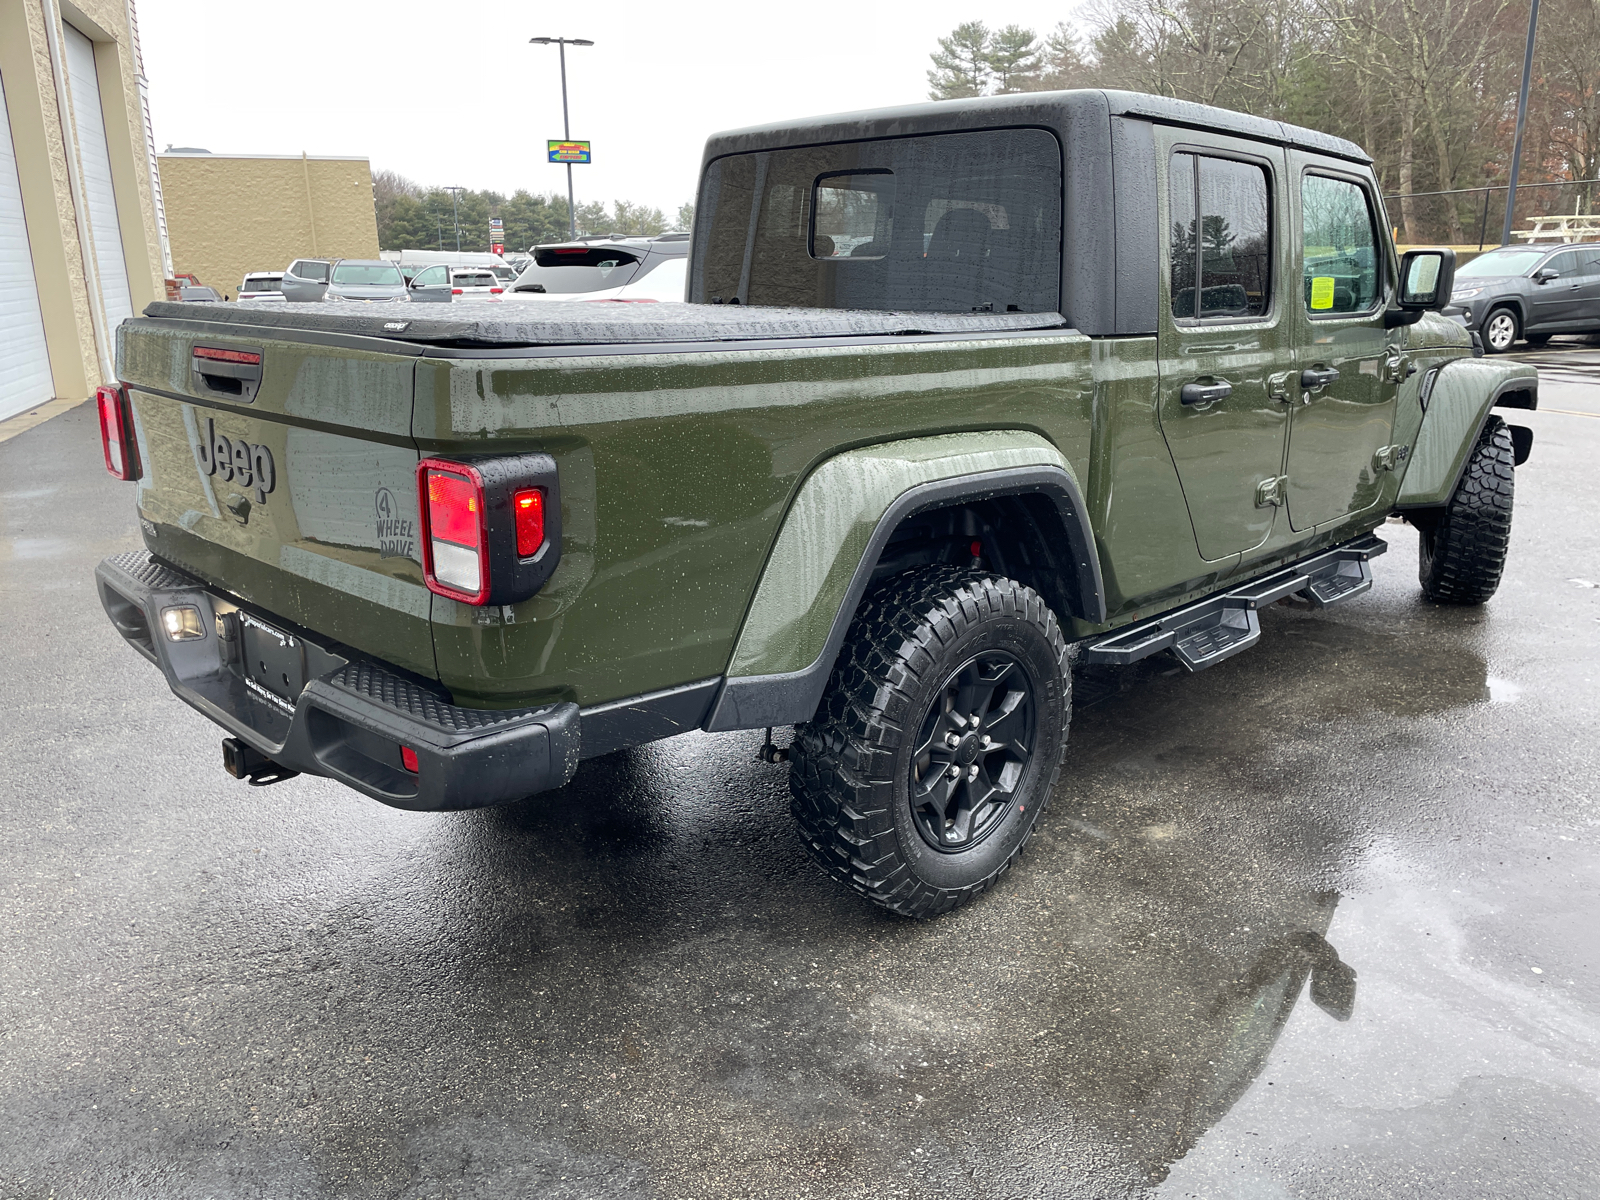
(963, 393)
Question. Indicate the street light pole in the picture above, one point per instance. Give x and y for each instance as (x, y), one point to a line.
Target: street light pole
(455, 213)
(566, 123)
(1522, 117)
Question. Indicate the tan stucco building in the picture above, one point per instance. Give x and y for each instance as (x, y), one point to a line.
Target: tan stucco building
(80, 238)
(232, 213)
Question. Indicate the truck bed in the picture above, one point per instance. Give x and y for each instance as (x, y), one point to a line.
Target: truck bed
(511, 324)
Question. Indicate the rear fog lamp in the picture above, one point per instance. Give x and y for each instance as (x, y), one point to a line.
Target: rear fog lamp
(182, 623)
(529, 507)
(408, 757)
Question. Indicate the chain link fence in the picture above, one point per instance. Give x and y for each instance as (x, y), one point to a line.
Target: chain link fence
(1546, 212)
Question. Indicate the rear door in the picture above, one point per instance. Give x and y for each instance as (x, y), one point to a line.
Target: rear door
(283, 472)
(1224, 333)
(1344, 384)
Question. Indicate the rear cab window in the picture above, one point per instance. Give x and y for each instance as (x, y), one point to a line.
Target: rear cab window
(949, 222)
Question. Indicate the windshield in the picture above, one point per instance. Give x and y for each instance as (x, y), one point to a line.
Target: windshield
(262, 285)
(365, 275)
(1500, 262)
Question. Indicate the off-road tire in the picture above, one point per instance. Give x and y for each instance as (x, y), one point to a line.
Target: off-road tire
(1463, 551)
(1494, 342)
(851, 766)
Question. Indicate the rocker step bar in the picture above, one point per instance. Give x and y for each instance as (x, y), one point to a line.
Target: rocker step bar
(1218, 627)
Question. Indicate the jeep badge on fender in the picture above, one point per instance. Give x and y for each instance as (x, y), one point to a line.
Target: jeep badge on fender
(245, 463)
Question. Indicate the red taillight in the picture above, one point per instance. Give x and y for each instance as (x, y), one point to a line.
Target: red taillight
(408, 757)
(116, 432)
(495, 291)
(491, 527)
(457, 292)
(528, 507)
(455, 533)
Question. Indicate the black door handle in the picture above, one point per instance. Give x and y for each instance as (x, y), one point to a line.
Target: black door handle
(1314, 377)
(1205, 393)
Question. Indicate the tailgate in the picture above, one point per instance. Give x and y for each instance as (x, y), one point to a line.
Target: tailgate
(281, 469)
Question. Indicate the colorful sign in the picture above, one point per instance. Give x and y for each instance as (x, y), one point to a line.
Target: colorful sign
(497, 235)
(569, 152)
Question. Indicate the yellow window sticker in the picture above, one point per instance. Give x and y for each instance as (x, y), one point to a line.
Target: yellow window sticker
(1321, 291)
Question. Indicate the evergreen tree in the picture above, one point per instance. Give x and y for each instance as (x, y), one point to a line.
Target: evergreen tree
(961, 64)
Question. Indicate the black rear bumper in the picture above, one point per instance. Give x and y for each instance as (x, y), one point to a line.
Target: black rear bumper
(351, 718)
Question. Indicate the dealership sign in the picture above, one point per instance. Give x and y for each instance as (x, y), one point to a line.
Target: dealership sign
(568, 152)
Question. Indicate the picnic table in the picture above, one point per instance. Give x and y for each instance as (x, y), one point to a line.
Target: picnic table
(1575, 228)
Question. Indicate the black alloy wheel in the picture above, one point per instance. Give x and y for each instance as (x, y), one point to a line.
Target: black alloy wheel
(938, 740)
(974, 748)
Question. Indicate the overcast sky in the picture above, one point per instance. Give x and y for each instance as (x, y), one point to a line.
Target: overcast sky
(451, 93)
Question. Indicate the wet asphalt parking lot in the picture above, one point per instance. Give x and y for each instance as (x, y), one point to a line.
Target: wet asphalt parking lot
(1319, 922)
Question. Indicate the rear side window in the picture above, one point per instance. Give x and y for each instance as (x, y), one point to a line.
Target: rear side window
(1220, 239)
(1340, 242)
(953, 222)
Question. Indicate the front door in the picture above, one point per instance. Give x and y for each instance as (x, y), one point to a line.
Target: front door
(1223, 343)
(1555, 301)
(1345, 382)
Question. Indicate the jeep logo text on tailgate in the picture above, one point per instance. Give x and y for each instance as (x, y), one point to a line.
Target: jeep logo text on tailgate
(245, 463)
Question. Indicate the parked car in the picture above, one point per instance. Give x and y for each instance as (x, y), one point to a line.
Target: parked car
(886, 497)
(666, 284)
(463, 281)
(566, 270)
(199, 294)
(1528, 292)
(354, 279)
(262, 285)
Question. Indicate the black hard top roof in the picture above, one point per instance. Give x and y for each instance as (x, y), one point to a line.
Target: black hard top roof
(1050, 109)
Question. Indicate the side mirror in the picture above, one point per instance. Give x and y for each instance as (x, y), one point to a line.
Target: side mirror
(1546, 274)
(1426, 279)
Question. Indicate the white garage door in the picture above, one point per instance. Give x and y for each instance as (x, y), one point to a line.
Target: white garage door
(90, 124)
(24, 364)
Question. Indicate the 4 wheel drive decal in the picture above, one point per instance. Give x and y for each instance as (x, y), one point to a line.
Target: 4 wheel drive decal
(244, 463)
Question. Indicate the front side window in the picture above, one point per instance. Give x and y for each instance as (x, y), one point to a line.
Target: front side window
(429, 277)
(1565, 263)
(949, 222)
(1340, 242)
(1220, 239)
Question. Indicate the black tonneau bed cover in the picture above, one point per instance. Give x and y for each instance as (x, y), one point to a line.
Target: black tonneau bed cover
(478, 323)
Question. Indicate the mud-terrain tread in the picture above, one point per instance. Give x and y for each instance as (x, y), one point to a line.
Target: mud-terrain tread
(841, 773)
(1461, 559)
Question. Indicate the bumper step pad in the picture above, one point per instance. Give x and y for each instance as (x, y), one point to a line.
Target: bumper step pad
(1218, 627)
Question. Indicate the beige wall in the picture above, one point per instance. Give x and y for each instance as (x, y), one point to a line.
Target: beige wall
(39, 132)
(228, 214)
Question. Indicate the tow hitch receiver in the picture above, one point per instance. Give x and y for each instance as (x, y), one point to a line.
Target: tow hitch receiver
(255, 768)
